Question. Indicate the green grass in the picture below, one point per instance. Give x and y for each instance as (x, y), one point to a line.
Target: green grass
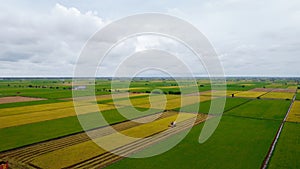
(205, 106)
(36, 132)
(235, 144)
(287, 151)
(262, 109)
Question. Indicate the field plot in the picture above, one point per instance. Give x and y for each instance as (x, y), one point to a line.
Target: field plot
(278, 95)
(298, 96)
(219, 93)
(294, 114)
(144, 100)
(262, 109)
(231, 146)
(276, 85)
(287, 151)
(288, 90)
(108, 97)
(80, 152)
(14, 99)
(34, 108)
(59, 127)
(261, 89)
(27, 154)
(175, 103)
(33, 117)
(250, 94)
(205, 106)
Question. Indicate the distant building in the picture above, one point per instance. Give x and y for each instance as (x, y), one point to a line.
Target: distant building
(79, 88)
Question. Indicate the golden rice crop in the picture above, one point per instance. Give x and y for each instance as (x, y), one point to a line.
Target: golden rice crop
(20, 119)
(249, 94)
(80, 152)
(279, 95)
(294, 114)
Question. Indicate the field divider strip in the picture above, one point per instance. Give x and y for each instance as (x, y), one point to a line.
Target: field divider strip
(275, 140)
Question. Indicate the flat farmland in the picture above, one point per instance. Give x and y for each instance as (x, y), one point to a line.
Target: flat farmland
(279, 95)
(294, 114)
(205, 106)
(89, 149)
(47, 133)
(287, 151)
(33, 117)
(59, 127)
(262, 109)
(220, 151)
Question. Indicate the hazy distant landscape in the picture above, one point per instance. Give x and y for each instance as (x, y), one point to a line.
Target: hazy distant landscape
(45, 133)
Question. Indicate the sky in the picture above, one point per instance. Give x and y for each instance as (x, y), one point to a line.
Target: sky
(251, 38)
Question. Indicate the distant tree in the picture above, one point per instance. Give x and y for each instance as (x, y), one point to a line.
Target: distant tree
(156, 92)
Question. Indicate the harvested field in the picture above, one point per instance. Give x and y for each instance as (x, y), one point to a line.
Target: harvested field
(90, 150)
(278, 95)
(27, 154)
(250, 94)
(14, 99)
(294, 115)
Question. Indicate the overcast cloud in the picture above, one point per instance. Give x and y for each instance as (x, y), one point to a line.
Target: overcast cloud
(251, 37)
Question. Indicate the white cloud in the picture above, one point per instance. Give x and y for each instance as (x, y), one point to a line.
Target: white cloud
(251, 37)
(44, 44)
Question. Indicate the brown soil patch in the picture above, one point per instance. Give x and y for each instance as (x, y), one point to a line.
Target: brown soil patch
(14, 99)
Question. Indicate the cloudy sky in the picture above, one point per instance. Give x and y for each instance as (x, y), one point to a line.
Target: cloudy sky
(251, 38)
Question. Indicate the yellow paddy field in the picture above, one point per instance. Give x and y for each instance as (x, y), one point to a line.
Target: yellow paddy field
(294, 115)
(279, 95)
(251, 94)
(37, 116)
